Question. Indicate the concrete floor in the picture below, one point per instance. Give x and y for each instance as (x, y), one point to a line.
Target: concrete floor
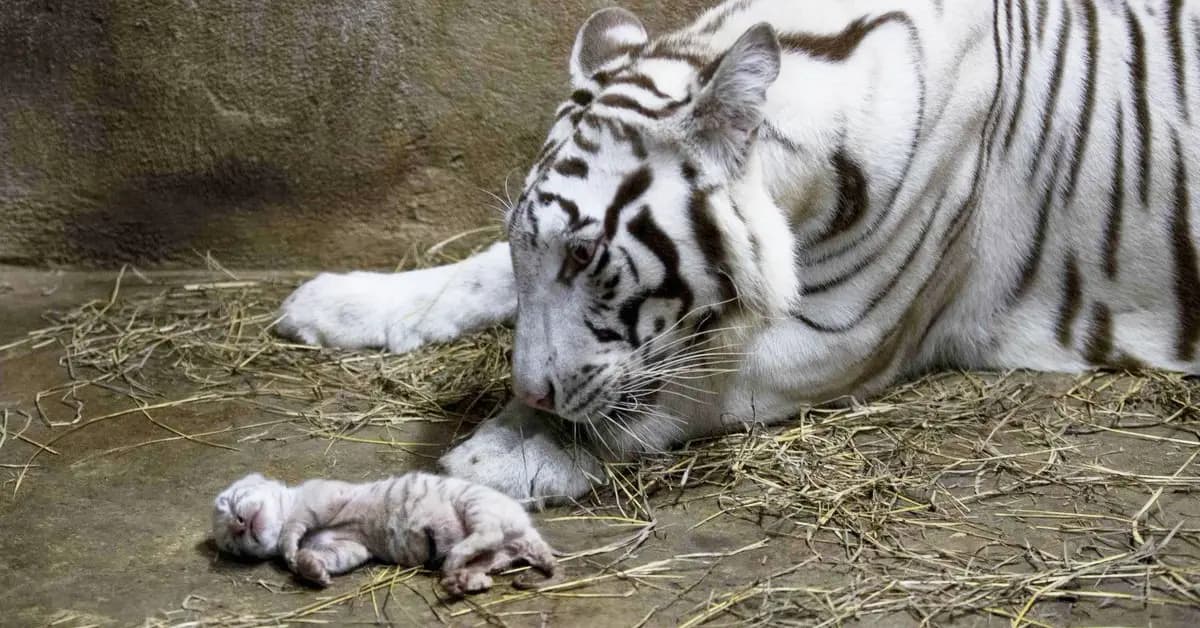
(97, 535)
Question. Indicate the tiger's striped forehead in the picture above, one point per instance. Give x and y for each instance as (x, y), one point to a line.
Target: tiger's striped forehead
(599, 150)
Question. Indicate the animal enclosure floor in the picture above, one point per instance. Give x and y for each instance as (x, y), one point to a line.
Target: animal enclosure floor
(962, 499)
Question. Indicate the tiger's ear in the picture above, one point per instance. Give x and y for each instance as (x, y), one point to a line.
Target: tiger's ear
(606, 35)
(729, 107)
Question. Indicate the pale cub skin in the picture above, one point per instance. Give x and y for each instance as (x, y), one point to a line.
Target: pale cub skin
(326, 527)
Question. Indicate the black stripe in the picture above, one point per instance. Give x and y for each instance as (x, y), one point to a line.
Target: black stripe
(879, 296)
(1137, 75)
(854, 270)
(567, 205)
(632, 187)
(633, 269)
(548, 155)
(616, 279)
(991, 123)
(543, 154)
(564, 110)
(726, 11)
(839, 46)
(642, 81)
(1016, 117)
(590, 372)
(583, 403)
(1089, 99)
(601, 264)
(1071, 302)
(711, 242)
(689, 173)
(963, 216)
(624, 133)
(1060, 61)
(533, 221)
(1176, 54)
(572, 167)
(1008, 30)
(1043, 13)
(621, 101)
(1034, 257)
(1116, 201)
(584, 144)
(661, 51)
(387, 495)
(853, 195)
(1099, 344)
(755, 249)
(709, 70)
(645, 230)
(1187, 277)
(602, 334)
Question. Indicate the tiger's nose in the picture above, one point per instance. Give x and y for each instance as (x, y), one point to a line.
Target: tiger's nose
(541, 398)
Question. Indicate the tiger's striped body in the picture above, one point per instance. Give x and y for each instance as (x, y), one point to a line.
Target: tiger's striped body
(864, 190)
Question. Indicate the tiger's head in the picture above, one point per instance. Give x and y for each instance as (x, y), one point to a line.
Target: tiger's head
(625, 241)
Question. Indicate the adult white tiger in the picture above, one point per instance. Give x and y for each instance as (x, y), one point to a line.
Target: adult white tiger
(794, 201)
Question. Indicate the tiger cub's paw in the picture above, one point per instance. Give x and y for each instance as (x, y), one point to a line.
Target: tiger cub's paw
(463, 581)
(310, 567)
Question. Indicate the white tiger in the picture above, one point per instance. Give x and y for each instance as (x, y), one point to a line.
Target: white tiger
(789, 202)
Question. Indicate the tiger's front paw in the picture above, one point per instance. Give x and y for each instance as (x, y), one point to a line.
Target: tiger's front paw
(362, 310)
(402, 311)
(525, 462)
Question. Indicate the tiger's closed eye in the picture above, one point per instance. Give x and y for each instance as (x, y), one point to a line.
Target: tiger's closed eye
(582, 252)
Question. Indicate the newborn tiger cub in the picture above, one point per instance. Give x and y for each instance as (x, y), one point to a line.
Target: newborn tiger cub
(327, 527)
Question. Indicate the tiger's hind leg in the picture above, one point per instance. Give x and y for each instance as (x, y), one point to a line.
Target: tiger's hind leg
(326, 555)
(475, 576)
(460, 582)
(467, 563)
(533, 549)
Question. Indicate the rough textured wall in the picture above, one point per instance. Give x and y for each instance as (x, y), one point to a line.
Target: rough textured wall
(305, 133)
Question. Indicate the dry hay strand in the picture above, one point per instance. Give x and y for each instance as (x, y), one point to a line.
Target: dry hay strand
(213, 340)
(921, 500)
(955, 495)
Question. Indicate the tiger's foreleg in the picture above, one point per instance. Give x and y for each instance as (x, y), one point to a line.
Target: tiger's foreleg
(402, 311)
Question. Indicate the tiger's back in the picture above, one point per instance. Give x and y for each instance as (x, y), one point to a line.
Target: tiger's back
(1012, 181)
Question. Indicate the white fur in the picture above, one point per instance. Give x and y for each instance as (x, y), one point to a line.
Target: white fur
(401, 312)
(958, 301)
(323, 528)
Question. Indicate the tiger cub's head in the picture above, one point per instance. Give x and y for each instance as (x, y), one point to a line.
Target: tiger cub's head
(625, 243)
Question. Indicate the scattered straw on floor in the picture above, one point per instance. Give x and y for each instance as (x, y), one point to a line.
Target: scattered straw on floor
(1036, 500)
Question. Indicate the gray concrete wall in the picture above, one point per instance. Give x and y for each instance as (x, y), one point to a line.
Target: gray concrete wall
(273, 133)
